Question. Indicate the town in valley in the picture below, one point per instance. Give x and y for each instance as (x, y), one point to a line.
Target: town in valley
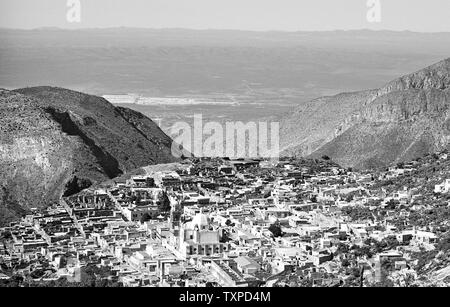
(214, 222)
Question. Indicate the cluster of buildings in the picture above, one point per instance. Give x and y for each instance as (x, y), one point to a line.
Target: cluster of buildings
(222, 222)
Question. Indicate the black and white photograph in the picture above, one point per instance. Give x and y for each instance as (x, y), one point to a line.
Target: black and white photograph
(224, 148)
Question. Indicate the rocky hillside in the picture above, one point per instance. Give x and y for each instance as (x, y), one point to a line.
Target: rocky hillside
(319, 121)
(405, 119)
(55, 142)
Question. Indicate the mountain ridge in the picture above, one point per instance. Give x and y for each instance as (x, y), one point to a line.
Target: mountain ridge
(423, 93)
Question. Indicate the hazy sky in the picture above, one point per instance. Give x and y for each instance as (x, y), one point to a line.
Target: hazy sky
(289, 15)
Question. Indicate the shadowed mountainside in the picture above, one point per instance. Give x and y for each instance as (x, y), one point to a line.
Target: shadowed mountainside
(57, 142)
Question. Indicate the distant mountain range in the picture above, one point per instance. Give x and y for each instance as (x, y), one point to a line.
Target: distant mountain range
(293, 66)
(405, 119)
(56, 142)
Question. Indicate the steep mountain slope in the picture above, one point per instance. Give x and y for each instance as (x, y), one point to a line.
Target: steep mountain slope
(319, 121)
(56, 142)
(403, 120)
(398, 126)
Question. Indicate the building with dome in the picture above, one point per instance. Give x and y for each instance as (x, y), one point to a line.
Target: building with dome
(199, 238)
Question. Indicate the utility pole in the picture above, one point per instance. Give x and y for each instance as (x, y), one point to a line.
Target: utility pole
(361, 281)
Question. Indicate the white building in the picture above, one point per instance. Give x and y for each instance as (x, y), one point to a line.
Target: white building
(443, 187)
(199, 238)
